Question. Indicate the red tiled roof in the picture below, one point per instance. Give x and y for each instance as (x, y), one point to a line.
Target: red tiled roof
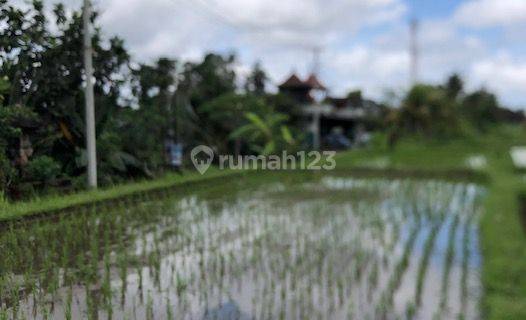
(293, 82)
(314, 82)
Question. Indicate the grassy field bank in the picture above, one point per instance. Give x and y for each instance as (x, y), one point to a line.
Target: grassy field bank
(38, 206)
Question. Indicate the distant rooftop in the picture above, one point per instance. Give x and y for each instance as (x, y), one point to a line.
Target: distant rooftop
(294, 81)
(314, 82)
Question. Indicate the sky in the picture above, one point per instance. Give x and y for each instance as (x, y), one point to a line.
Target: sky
(363, 43)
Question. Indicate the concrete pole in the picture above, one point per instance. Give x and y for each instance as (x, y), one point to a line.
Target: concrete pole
(315, 127)
(91, 147)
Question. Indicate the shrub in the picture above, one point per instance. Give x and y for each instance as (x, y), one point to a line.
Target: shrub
(43, 168)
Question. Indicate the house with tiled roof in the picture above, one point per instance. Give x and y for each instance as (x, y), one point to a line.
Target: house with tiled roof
(325, 114)
(302, 91)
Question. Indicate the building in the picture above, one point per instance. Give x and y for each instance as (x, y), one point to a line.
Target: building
(324, 115)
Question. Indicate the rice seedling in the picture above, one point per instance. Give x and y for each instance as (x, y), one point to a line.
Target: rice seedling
(68, 306)
(4, 314)
(466, 243)
(169, 311)
(424, 262)
(149, 307)
(402, 265)
(450, 255)
(410, 311)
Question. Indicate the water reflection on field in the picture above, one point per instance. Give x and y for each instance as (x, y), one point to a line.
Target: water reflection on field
(287, 246)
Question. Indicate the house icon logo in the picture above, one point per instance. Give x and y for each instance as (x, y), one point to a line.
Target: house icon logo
(202, 157)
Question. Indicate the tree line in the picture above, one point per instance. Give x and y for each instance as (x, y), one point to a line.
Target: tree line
(447, 111)
(139, 108)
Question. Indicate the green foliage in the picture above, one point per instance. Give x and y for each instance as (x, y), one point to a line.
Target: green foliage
(3, 202)
(256, 81)
(4, 87)
(43, 168)
(454, 86)
(260, 127)
(191, 103)
(12, 119)
(355, 98)
(209, 79)
(144, 129)
(481, 108)
(45, 68)
(223, 115)
(266, 134)
(444, 111)
(427, 110)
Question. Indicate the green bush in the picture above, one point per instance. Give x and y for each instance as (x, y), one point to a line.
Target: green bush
(3, 201)
(43, 168)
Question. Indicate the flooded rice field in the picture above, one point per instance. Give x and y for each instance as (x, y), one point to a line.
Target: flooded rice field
(283, 246)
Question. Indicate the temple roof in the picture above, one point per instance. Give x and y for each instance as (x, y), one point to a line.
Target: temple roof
(314, 82)
(295, 82)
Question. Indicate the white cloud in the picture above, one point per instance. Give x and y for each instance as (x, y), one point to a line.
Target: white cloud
(158, 27)
(280, 33)
(443, 50)
(491, 13)
(504, 74)
(372, 69)
(305, 16)
(207, 23)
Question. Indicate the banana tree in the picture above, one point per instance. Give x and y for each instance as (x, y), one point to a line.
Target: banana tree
(265, 135)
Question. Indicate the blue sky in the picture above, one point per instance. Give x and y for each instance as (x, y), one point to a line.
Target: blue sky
(364, 42)
(432, 9)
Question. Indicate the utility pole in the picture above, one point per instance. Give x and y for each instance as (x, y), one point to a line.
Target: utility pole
(315, 128)
(316, 116)
(91, 147)
(415, 54)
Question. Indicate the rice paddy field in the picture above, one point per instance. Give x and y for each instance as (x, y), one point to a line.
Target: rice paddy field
(278, 246)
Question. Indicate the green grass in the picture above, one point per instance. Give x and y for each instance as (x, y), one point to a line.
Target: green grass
(503, 241)
(18, 210)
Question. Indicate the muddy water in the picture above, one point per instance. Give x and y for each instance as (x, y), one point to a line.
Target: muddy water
(281, 247)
